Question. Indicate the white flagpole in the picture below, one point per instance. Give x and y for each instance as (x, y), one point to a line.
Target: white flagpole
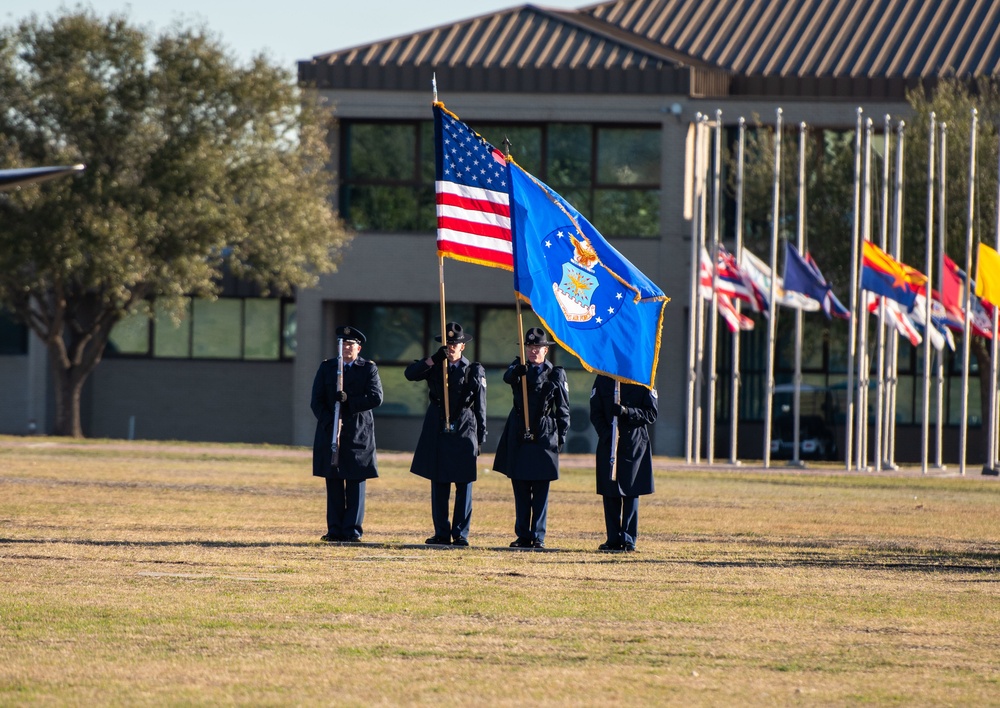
(734, 412)
(942, 236)
(772, 320)
(928, 263)
(890, 439)
(714, 342)
(883, 241)
(695, 294)
(864, 371)
(967, 338)
(800, 242)
(853, 328)
(700, 344)
(992, 466)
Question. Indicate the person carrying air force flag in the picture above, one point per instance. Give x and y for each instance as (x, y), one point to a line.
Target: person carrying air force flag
(531, 457)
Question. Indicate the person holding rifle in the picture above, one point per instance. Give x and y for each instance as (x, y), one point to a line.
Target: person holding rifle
(529, 447)
(628, 474)
(453, 433)
(344, 393)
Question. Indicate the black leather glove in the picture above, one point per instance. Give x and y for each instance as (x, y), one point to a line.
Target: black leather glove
(439, 356)
(618, 410)
(342, 396)
(520, 370)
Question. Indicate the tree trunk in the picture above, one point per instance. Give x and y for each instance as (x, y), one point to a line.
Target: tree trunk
(68, 383)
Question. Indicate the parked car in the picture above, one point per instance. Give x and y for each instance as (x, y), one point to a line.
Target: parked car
(816, 442)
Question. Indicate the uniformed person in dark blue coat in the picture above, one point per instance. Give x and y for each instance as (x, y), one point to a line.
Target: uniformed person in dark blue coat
(345, 482)
(636, 410)
(447, 450)
(532, 461)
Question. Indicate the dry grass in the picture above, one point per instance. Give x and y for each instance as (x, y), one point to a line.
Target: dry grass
(161, 574)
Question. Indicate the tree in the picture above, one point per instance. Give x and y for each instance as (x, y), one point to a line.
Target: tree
(952, 103)
(195, 163)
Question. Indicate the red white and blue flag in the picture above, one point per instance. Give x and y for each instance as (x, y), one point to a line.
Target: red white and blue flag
(473, 195)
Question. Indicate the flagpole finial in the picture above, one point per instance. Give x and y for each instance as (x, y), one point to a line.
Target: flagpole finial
(434, 85)
(506, 146)
(859, 111)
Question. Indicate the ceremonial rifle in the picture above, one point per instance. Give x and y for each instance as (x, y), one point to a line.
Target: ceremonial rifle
(335, 442)
(614, 433)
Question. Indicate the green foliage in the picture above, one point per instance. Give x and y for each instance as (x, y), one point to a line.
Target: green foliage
(952, 103)
(195, 163)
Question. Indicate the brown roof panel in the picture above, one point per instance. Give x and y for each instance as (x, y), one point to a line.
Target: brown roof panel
(530, 47)
(900, 39)
(709, 48)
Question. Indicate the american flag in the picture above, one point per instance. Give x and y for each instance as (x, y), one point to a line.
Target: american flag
(473, 196)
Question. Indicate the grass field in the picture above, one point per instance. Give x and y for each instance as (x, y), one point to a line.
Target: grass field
(186, 574)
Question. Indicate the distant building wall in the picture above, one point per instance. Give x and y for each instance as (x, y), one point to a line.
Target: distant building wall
(191, 400)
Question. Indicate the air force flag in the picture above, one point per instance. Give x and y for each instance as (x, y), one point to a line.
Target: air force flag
(595, 303)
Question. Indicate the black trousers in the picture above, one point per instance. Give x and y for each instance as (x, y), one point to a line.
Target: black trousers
(621, 519)
(531, 508)
(345, 507)
(458, 526)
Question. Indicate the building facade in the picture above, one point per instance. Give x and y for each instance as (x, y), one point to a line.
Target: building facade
(600, 104)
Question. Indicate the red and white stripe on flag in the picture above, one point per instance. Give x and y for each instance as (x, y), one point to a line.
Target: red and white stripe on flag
(473, 195)
(474, 224)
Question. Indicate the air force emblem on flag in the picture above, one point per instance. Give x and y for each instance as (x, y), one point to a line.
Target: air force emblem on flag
(587, 294)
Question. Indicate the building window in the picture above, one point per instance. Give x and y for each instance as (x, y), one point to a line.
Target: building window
(249, 329)
(398, 335)
(13, 336)
(611, 174)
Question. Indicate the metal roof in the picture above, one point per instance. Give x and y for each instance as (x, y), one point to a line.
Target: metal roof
(805, 48)
(522, 49)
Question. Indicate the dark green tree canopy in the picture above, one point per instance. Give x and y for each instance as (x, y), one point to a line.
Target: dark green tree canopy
(194, 163)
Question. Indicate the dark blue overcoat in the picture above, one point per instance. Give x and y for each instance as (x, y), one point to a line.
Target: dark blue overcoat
(357, 436)
(548, 415)
(635, 459)
(450, 456)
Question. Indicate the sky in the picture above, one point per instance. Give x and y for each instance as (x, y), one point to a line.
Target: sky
(291, 30)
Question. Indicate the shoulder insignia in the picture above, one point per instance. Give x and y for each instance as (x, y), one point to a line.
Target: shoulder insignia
(565, 385)
(483, 381)
(593, 392)
(653, 392)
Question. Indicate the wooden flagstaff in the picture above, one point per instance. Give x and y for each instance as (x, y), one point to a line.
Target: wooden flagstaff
(528, 435)
(444, 343)
(335, 439)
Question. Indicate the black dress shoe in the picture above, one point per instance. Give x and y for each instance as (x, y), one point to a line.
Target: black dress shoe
(329, 538)
(438, 541)
(609, 547)
(460, 542)
(520, 543)
(537, 544)
(629, 547)
(352, 539)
